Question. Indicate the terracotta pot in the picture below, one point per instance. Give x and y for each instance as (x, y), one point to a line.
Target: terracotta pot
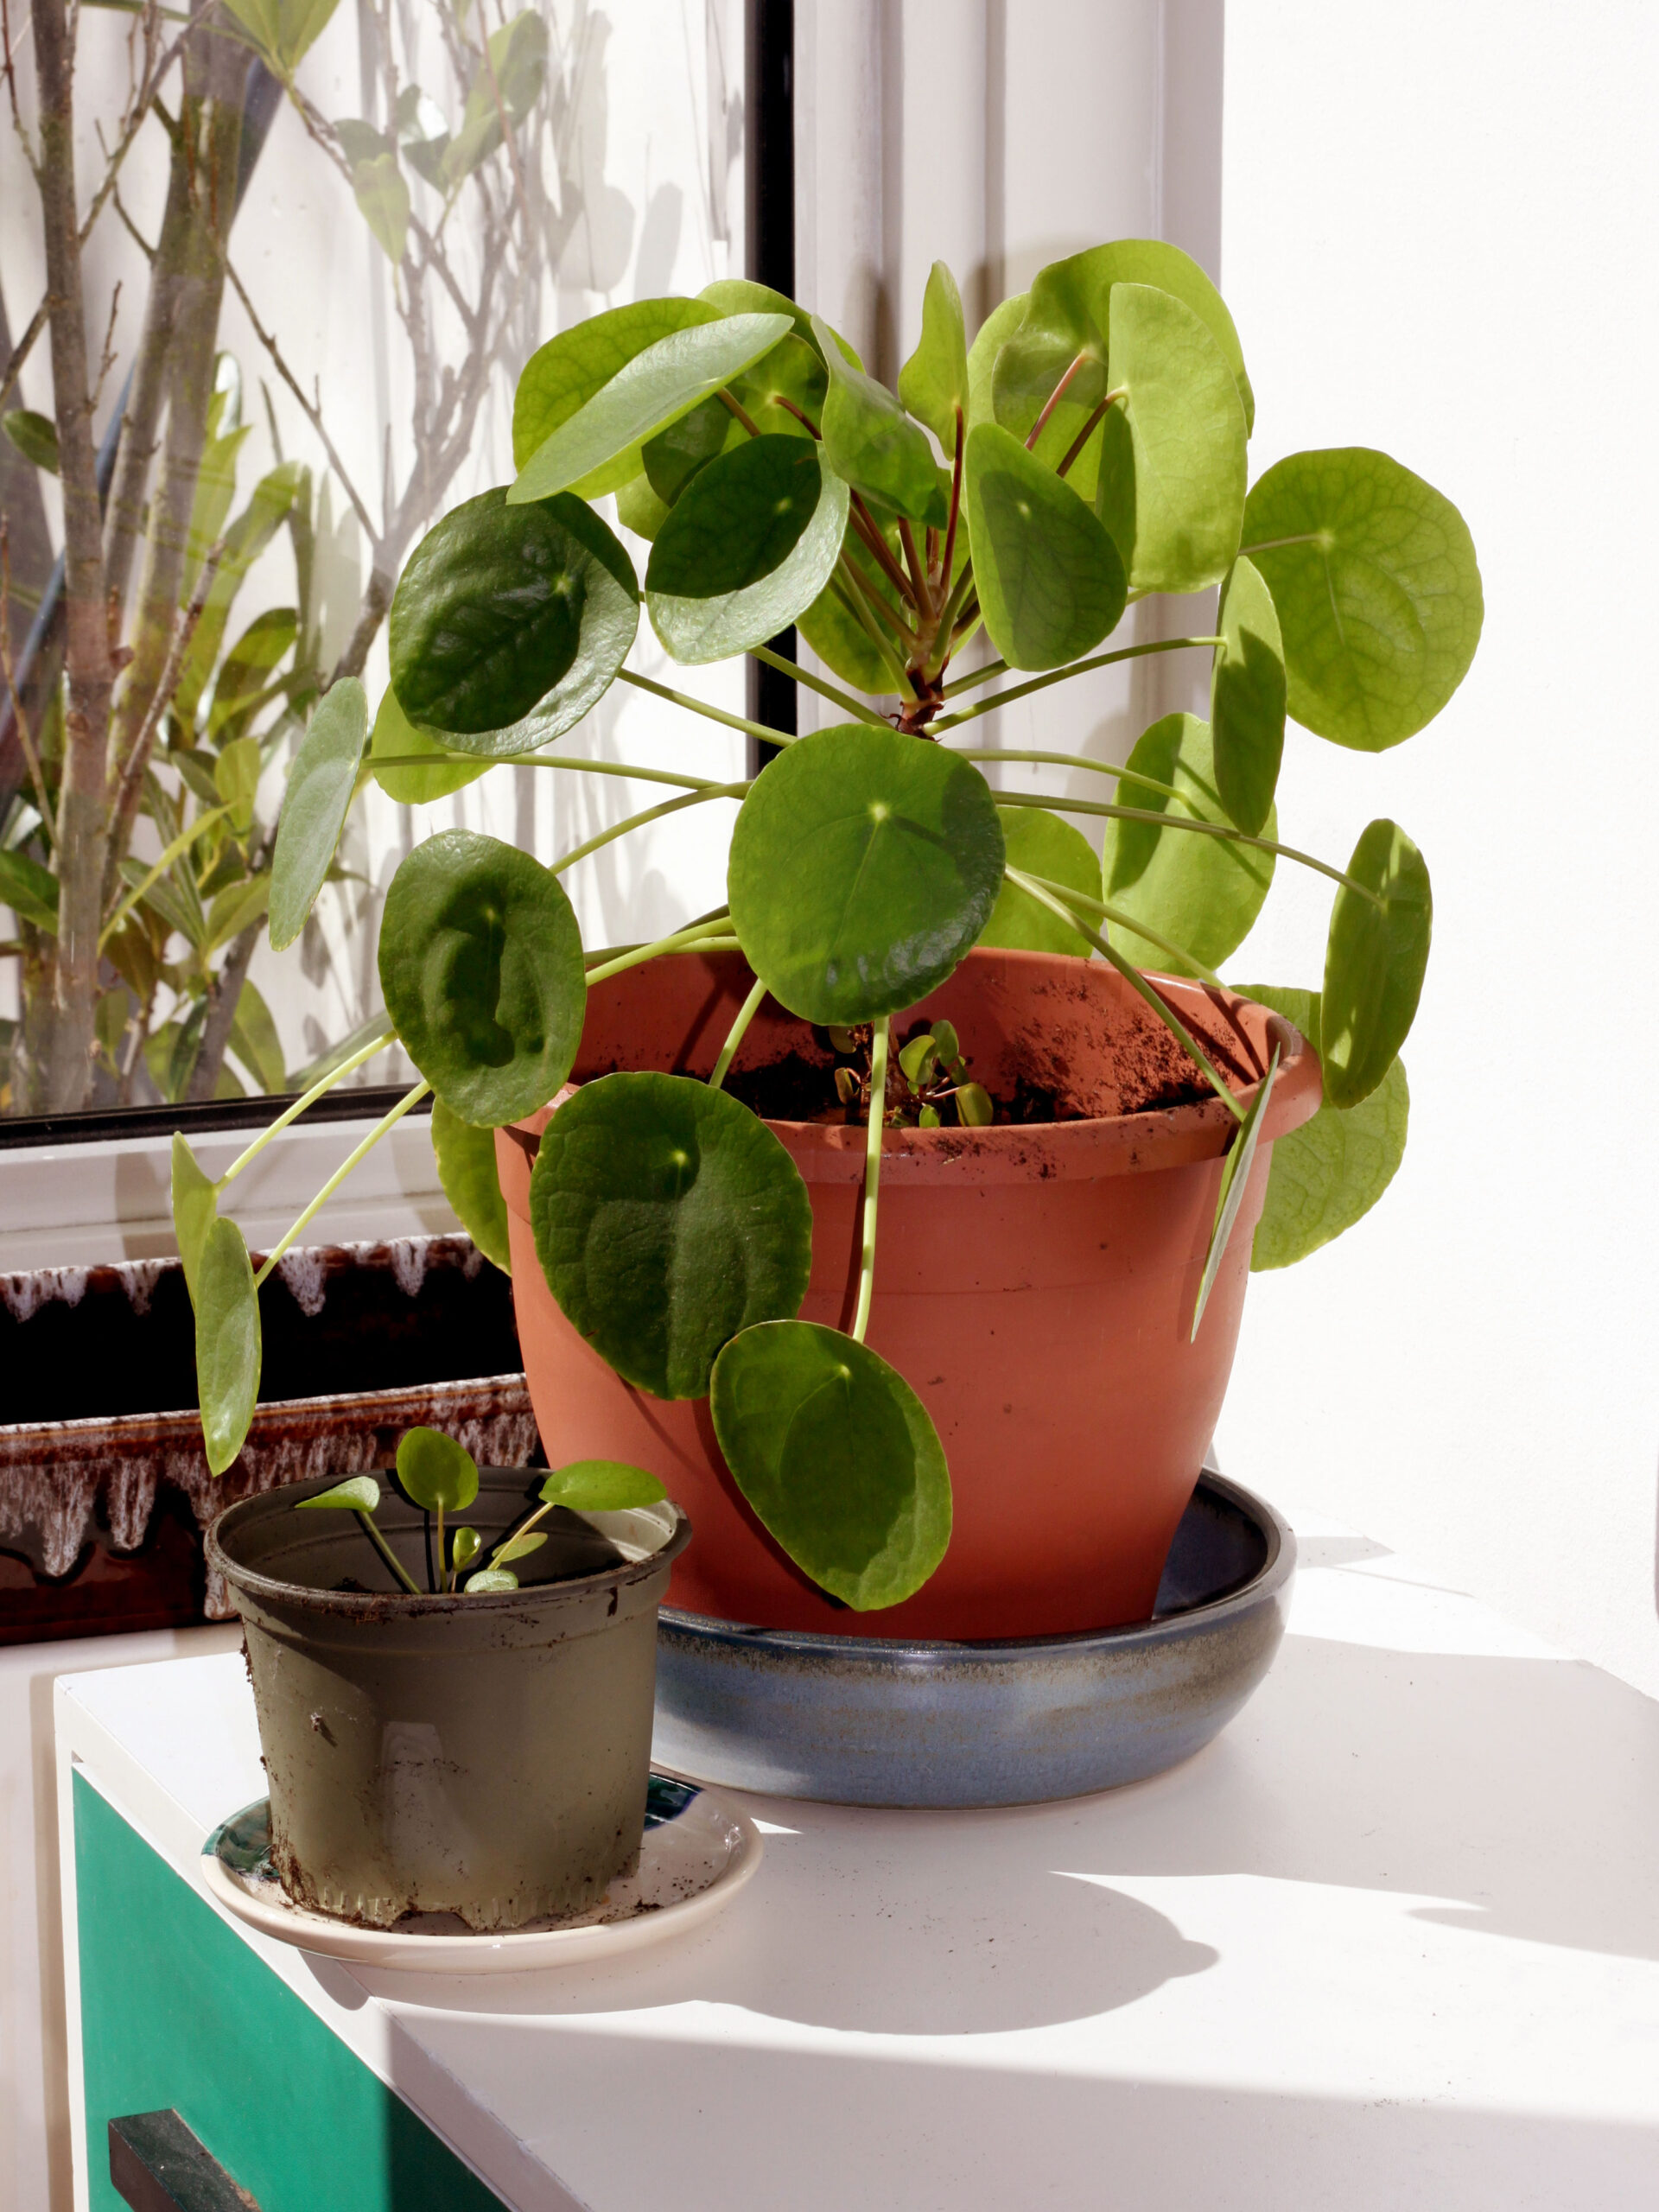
(1034, 1284)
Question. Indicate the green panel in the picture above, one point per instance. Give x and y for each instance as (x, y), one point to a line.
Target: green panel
(176, 2010)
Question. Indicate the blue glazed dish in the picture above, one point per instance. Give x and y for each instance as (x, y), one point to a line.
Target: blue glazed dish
(858, 1720)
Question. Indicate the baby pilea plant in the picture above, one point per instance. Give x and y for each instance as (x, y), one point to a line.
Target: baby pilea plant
(1087, 451)
(440, 1476)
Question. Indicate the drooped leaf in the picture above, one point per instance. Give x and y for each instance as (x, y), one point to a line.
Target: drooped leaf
(933, 383)
(1170, 482)
(510, 622)
(1051, 581)
(601, 1486)
(655, 388)
(481, 969)
(1247, 698)
(236, 777)
(1374, 958)
(466, 1169)
(1234, 1180)
(1374, 575)
(395, 737)
(256, 1043)
(1040, 844)
(357, 1494)
(29, 890)
(314, 806)
(35, 435)
(562, 377)
(227, 1342)
(382, 198)
(436, 1471)
(837, 1456)
(196, 1208)
(1330, 1172)
(873, 442)
(749, 546)
(1201, 893)
(667, 1216)
(515, 1547)
(864, 865)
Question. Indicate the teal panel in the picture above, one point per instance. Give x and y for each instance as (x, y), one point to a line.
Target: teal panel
(176, 2010)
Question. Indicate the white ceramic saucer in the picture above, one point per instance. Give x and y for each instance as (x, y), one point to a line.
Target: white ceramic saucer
(698, 1852)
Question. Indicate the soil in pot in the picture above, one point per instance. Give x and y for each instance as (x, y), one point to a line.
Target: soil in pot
(1034, 1284)
(487, 1755)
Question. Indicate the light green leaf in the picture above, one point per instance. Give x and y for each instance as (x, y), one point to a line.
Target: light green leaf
(1374, 575)
(236, 779)
(243, 680)
(639, 508)
(1331, 1171)
(1235, 1180)
(1374, 960)
(793, 371)
(490, 1579)
(741, 295)
(1171, 485)
(562, 377)
(29, 890)
(1247, 698)
(436, 1471)
(358, 1494)
(383, 198)
(863, 867)
(35, 436)
(255, 1044)
(652, 389)
(601, 1486)
(667, 1216)
(314, 807)
(466, 1169)
(272, 503)
(516, 1548)
(1203, 893)
(235, 909)
(1051, 582)
(466, 1545)
(991, 337)
(227, 1343)
(396, 737)
(360, 141)
(285, 29)
(837, 1456)
(933, 383)
(836, 635)
(871, 442)
(1042, 844)
(195, 1208)
(750, 545)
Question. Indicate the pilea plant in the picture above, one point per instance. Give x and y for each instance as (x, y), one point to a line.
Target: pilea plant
(1088, 451)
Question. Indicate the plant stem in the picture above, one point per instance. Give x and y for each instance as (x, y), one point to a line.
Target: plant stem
(410, 1098)
(700, 706)
(917, 566)
(180, 844)
(1077, 668)
(1084, 904)
(310, 1098)
(557, 760)
(872, 1175)
(946, 564)
(442, 1569)
(839, 698)
(1072, 760)
(648, 814)
(1132, 974)
(859, 603)
(697, 938)
(1053, 401)
(1086, 433)
(386, 1551)
(868, 593)
(870, 530)
(728, 402)
(1191, 824)
(746, 1015)
(991, 669)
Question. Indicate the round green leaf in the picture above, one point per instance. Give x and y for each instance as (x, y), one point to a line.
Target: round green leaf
(1375, 959)
(394, 736)
(508, 622)
(870, 441)
(464, 1548)
(667, 1217)
(1050, 578)
(489, 1578)
(1247, 698)
(314, 807)
(1042, 844)
(1332, 1170)
(1170, 483)
(749, 546)
(836, 1454)
(1203, 893)
(792, 371)
(864, 865)
(466, 1169)
(639, 508)
(991, 337)
(515, 1547)
(227, 1343)
(1374, 575)
(436, 1471)
(601, 1486)
(562, 377)
(359, 1494)
(933, 383)
(481, 967)
(196, 1208)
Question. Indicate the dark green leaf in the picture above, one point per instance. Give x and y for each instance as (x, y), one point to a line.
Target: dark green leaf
(466, 1169)
(480, 963)
(235, 910)
(750, 545)
(1235, 1180)
(1042, 844)
(436, 1471)
(667, 1217)
(227, 1342)
(1051, 582)
(396, 737)
(195, 1208)
(871, 442)
(314, 807)
(1247, 698)
(601, 1486)
(35, 436)
(1375, 959)
(864, 864)
(674, 455)
(510, 622)
(1374, 577)
(933, 383)
(358, 1494)
(836, 1454)
(31, 890)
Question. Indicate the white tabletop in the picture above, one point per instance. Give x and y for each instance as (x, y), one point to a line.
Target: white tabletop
(1392, 1942)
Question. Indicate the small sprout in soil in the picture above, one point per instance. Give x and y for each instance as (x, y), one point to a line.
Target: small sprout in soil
(927, 1080)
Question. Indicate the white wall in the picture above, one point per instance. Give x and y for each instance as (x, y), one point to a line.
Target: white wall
(1438, 229)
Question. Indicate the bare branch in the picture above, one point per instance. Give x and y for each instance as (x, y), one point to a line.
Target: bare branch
(20, 719)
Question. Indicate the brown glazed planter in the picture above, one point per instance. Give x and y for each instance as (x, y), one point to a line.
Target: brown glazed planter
(1034, 1284)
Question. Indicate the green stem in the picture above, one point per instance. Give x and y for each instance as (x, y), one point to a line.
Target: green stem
(746, 1015)
(867, 595)
(945, 638)
(992, 668)
(700, 706)
(733, 408)
(309, 1098)
(179, 845)
(1053, 401)
(1191, 824)
(1084, 903)
(556, 760)
(1072, 760)
(389, 1121)
(1272, 544)
(697, 938)
(386, 1552)
(1077, 668)
(523, 1528)
(649, 814)
(1132, 976)
(854, 600)
(872, 1175)
(839, 698)
(444, 1571)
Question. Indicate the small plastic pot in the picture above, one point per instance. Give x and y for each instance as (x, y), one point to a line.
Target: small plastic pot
(483, 1755)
